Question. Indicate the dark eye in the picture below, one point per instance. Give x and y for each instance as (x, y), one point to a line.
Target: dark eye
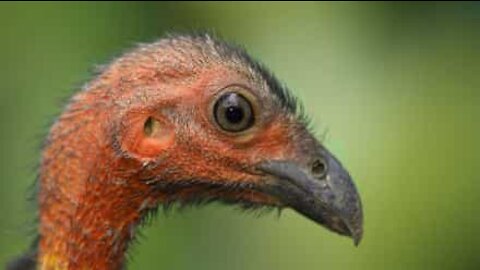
(233, 112)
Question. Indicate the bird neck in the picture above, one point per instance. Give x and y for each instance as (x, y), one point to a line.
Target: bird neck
(88, 211)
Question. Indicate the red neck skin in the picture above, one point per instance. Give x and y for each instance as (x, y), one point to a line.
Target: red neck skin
(88, 210)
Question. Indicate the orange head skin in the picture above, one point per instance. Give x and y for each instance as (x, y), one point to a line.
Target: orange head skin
(145, 132)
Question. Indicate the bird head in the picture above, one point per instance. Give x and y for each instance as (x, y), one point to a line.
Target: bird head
(198, 120)
(187, 119)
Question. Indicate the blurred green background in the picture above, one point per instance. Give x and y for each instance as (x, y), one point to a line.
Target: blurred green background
(393, 88)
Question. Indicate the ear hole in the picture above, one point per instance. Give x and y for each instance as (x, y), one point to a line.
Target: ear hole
(146, 137)
(153, 128)
(148, 127)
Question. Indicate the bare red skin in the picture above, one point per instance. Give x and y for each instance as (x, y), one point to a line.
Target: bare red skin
(93, 191)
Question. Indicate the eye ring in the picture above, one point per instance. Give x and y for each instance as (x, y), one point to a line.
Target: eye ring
(233, 111)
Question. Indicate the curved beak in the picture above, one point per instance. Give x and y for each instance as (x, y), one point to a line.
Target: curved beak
(323, 192)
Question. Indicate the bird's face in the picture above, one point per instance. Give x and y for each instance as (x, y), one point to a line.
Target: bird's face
(224, 134)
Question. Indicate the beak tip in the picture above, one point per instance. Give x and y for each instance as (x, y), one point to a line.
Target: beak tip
(355, 229)
(357, 235)
(356, 240)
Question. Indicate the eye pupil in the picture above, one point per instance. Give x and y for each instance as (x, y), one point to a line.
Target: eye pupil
(233, 112)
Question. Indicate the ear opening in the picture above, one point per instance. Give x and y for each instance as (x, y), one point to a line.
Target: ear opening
(150, 126)
(146, 136)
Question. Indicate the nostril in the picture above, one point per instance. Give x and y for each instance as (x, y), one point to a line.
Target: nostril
(319, 168)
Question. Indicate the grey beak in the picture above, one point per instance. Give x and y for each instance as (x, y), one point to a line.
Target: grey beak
(328, 198)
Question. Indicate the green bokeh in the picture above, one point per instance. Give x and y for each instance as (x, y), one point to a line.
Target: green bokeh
(393, 90)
